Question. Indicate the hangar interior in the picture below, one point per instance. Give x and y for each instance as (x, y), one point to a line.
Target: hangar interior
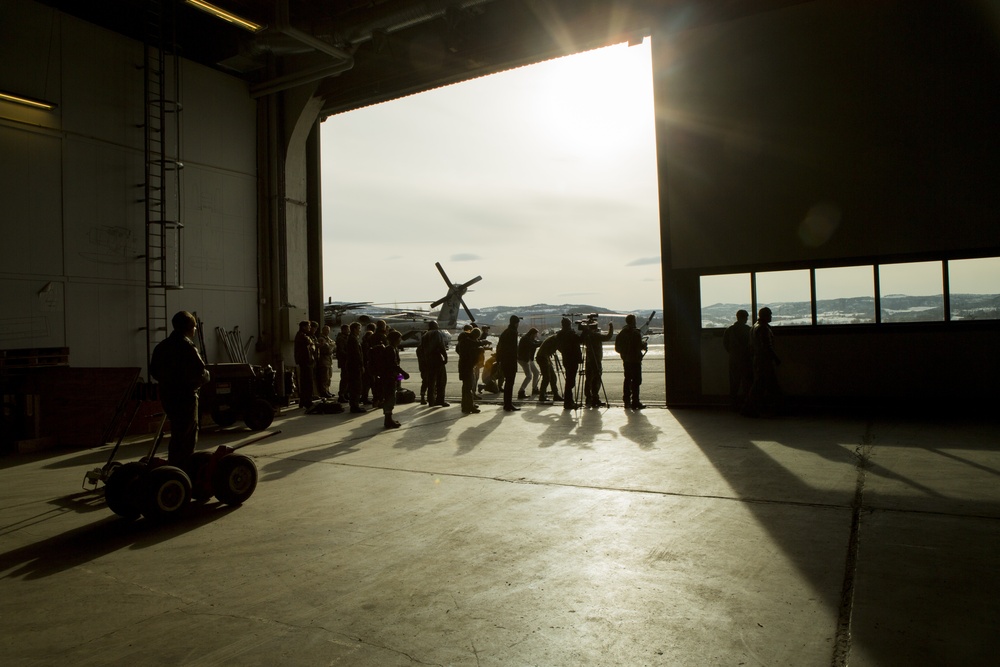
(767, 111)
(794, 138)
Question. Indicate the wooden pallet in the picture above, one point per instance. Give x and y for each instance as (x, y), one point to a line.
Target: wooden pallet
(12, 361)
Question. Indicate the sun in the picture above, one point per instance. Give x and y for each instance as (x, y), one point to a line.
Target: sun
(598, 103)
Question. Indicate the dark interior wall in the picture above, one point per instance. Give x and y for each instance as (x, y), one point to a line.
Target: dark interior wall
(832, 130)
(830, 133)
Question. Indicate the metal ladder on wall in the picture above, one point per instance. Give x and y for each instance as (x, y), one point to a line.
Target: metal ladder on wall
(162, 187)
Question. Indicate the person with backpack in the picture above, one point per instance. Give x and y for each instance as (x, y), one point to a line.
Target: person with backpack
(632, 348)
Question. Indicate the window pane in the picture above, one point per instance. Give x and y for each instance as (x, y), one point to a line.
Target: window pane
(787, 294)
(845, 295)
(975, 288)
(912, 292)
(721, 297)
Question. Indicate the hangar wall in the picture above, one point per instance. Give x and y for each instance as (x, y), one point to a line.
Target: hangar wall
(72, 221)
(879, 114)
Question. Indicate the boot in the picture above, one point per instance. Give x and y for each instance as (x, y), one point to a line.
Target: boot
(390, 422)
(521, 395)
(542, 398)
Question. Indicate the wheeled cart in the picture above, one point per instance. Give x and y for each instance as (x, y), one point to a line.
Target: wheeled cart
(152, 488)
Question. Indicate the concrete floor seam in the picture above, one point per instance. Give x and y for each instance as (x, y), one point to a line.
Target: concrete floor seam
(842, 643)
(614, 489)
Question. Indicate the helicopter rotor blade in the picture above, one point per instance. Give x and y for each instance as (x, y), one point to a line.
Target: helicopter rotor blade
(443, 274)
(465, 286)
(468, 312)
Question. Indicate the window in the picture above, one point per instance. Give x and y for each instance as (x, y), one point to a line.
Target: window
(912, 292)
(721, 297)
(974, 286)
(845, 295)
(788, 294)
(908, 292)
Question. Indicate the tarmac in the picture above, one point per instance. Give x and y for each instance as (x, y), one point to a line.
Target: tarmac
(539, 537)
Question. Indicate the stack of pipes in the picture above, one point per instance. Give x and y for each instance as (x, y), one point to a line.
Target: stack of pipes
(233, 342)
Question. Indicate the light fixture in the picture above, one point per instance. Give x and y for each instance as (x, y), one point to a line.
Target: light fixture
(27, 101)
(225, 16)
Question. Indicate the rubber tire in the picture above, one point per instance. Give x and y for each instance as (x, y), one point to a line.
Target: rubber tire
(201, 482)
(235, 479)
(122, 490)
(224, 415)
(167, 490)
(259, 414)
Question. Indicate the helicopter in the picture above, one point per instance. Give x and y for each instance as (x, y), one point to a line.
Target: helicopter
(412, 324)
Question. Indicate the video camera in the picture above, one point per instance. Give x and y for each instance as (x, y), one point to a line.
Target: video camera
(589, 321)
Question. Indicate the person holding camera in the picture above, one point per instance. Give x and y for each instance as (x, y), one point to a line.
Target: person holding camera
(593, 343)
(568, 344)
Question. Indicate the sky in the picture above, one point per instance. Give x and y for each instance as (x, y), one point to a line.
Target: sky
(541, 179)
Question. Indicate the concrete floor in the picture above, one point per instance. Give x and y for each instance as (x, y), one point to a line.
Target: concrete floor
(540, 537)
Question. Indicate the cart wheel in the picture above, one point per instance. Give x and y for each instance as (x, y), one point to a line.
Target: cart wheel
(201, 475)
(123, 488)
(259, 414)
(224, 415)
(167, 490)
(235, 479)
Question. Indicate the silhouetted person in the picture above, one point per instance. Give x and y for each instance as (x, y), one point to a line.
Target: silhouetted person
(180, 370)
(341, 349)
(324, 363)
(764, 391)
(526, 360)
(435, 360)
(630, 345)
(368, 378)
(354, 366)
(385, 358)
(507, 356)
(305, 359)
(593, 342)
(547, 369)
(468, 348)
(568, 344)
(736, 340)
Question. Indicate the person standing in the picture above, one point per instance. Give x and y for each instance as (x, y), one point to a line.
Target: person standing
(305, 359)
(593, 382)
(507, 356)
(468, 348)
(341, 345)
(388, 371)
(526, 360)
(630, 345)
(546, 366)
(736, 340)
(435, 361)
(354, 367)
(568, 344)
(324, 363)
(180, 370)
(764, 391)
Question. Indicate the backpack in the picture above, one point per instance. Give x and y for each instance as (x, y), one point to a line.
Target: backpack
(620, 343)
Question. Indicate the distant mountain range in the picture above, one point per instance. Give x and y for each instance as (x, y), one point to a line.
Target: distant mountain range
(861, 310)
(853, 310)
(544, 316)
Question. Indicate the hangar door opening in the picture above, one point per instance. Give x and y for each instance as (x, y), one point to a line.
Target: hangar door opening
(541, 179)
